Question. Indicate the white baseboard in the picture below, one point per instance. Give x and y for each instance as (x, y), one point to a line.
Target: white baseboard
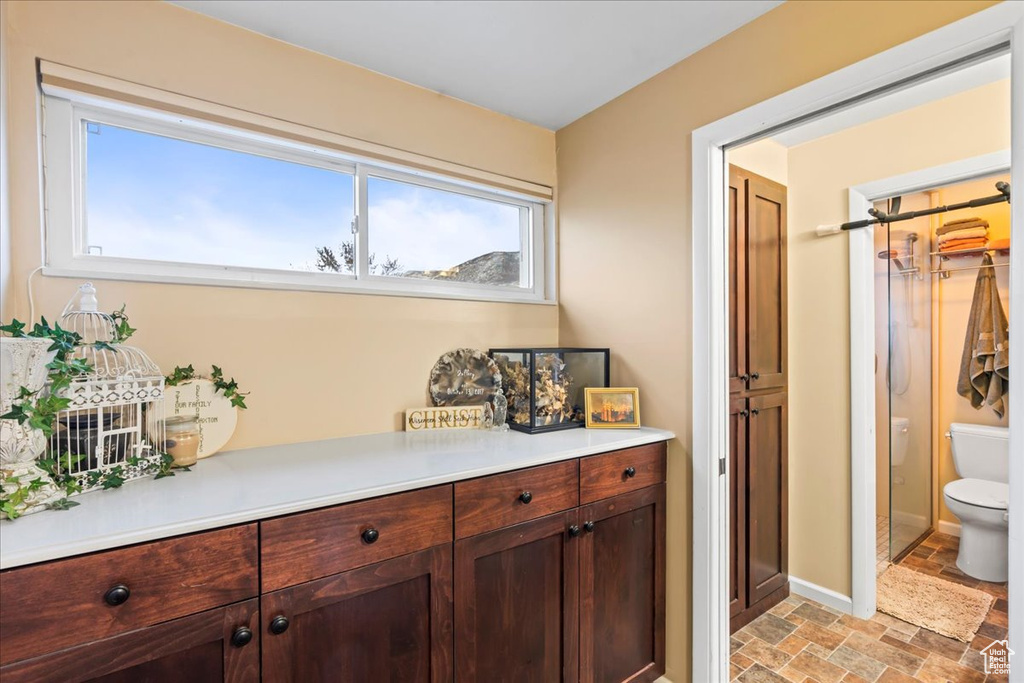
(951, 528)
(825, 596)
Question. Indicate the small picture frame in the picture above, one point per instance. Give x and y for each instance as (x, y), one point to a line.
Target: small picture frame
(613, 408)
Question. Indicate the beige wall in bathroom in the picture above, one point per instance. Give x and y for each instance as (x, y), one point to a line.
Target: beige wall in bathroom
(954, 304)
(624, 211)
(318, 365)
(820, 172)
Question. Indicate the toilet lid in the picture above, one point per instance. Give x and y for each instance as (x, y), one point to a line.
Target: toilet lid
(987, 494)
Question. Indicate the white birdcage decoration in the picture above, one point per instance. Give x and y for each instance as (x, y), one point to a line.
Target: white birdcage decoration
(113, 430)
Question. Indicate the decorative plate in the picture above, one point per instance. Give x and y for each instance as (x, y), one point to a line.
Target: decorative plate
(464, 377)
(217, 417)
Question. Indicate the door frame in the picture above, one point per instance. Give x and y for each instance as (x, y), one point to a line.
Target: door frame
(862, 353)
(986, 29)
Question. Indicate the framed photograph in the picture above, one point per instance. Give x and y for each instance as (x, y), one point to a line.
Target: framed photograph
(614, 407)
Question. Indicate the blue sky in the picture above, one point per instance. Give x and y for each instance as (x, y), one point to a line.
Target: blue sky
(158, 198)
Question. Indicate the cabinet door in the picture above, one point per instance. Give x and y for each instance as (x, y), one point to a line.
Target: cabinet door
(737, 280)
(766, 284)
(737, 505)
(390, 621)
(198, 649)
(767, 508)
(622, 588)
(517, 603)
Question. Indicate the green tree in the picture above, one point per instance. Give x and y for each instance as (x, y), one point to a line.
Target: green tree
(343, 260)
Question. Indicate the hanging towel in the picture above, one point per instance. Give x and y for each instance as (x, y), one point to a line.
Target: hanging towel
(985, 366)
(963, 234)
(962, 224)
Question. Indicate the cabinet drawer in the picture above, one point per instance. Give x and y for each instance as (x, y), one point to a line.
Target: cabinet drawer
(609, 474)
(501, 500)
(48, 607)
(311, 545)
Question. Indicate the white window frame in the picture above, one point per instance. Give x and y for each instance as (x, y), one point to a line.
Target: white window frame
(65, 178)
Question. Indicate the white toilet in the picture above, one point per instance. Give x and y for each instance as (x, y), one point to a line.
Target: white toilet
(980, 499)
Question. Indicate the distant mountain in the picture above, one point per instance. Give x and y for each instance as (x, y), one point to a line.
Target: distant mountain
(495, 268)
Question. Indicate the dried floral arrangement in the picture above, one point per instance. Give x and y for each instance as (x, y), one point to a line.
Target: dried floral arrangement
(516, 382)
(552, 389)
(553, 384)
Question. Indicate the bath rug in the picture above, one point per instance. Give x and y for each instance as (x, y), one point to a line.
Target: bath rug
(938, 605)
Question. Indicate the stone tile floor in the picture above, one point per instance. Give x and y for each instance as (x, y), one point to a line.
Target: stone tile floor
(801, 641)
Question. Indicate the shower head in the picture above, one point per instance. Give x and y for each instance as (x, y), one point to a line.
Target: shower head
(890, 255)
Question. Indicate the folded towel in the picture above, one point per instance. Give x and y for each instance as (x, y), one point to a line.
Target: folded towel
(985, 365)
(959, 245)
(963, 234)
(962, 224)
(999, 245)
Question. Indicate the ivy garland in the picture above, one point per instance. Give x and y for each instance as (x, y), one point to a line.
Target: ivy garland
(227, 387)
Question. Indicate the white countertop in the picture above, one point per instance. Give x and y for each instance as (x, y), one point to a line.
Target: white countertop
(242, 486)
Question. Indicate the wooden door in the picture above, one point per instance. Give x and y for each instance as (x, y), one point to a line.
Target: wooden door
(517, 603)
(766, 284)
(210, 647)
(767, 484)
(737, 279)
(737, 505)
(622, 588)
(390, 621)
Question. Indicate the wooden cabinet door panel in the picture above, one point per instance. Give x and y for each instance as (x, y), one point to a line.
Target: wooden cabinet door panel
(622, 588)
(390, 621)
(737, 505)
(766, 286)
(517, 603)
(196, 648)
(737, 200)
(767, 542)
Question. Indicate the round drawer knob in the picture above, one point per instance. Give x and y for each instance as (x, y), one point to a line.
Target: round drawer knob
(630, 472)
(370, 536)
(755, 375)
(118, 595)
(574, 531)
(588, 526)
(525, 497)
(242, 636)
(279, 624)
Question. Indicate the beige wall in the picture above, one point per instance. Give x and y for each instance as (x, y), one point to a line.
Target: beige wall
(5, 226)
(318, 365)
(624, 208)
(820, 172)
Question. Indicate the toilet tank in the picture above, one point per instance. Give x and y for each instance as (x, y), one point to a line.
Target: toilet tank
(981, 452)
(899, 440)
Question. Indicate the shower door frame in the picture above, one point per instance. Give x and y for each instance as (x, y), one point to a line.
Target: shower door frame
(710, 444)
(863, 458)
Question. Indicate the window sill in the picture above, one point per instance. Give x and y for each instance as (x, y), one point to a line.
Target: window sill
(297, 281)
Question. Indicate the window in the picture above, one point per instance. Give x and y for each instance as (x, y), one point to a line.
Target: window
(141, 195)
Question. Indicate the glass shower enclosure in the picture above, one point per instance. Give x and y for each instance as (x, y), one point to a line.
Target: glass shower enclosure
(904, 380)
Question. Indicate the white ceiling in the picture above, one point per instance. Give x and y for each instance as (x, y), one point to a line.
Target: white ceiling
(938, 88)
(547, 62)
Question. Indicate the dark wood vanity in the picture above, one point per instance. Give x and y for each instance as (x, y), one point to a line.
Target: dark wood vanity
(549, 573)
